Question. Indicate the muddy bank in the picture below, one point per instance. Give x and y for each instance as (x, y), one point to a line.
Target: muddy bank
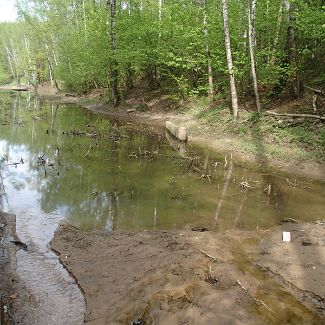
(15, 300)
(298, 265)
(172, 278)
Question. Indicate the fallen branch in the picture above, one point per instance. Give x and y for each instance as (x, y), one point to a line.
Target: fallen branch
(208, 255)
(258, 302)
(297, 115)
(315, 90)
(88, 152)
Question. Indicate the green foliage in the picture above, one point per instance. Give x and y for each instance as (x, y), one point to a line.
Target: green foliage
(174, 51)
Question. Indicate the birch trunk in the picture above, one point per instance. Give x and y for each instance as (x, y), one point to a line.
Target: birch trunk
(234, 100)
(277, 33)
(33, 75)
(207, 49)
(251, 37)
(202, 4)
(160, 10)
(291, 49)
(11, 62)
(113, 40)
(51, 74)
(85, 20)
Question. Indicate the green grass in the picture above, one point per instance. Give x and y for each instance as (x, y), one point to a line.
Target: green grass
(264, 135)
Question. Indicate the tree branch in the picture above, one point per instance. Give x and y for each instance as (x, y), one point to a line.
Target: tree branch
(297, 115)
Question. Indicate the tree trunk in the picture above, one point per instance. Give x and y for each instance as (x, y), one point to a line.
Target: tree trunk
(10, 63)
(160, 9)
(251, 37)
(202, 6)
(51, 74)
(113, 41)
(277, 33)
(207, 49)
(85, 20)
(234, 100)
(291, 49)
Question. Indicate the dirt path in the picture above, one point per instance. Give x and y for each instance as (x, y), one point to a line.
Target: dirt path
(172, 278)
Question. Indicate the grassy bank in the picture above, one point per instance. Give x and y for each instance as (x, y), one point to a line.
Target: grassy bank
(275, 138)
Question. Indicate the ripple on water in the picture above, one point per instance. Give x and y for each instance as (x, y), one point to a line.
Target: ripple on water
(58, 300)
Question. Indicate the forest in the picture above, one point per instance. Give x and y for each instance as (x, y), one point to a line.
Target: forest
(246, 51)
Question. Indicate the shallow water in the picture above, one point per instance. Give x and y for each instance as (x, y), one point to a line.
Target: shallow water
(62, 164)
(102, 182)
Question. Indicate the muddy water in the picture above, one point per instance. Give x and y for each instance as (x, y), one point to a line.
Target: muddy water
(99, 174)
(66, 164)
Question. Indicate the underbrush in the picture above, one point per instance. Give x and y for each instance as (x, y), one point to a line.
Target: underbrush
(263, 134)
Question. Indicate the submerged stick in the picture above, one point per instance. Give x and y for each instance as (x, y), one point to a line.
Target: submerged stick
(208, 255)
(258, 302)
(87, 153)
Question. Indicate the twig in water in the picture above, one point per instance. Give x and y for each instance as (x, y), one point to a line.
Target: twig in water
(87, 154)
(208, 255)
(258, 302)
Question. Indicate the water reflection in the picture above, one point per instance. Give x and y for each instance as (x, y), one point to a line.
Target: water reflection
(99, 174)
(229, 169)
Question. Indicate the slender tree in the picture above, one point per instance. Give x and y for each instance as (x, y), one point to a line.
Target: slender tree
(277, 32)
(208, 54)
(234, 100)
(251, 37)
(113, 41)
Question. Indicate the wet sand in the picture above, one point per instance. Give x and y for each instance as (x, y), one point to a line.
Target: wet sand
(298, 265)
(182, 277)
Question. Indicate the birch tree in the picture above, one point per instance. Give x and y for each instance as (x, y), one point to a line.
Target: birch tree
(208, 54)
(277, 32)
(234, 100)
(202, 6)
(113, 41)
(251, 37)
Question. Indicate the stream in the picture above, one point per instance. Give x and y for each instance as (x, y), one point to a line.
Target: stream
(66, 164)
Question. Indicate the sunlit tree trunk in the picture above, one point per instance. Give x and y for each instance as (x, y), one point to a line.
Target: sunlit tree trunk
(113, 41)
(251, 37)
(234, 100)
(84, 18)
(160, 9)
(291, 49)
(202, 5)
(51, 73)
(207, 49)
(12, 63)
(277, 33)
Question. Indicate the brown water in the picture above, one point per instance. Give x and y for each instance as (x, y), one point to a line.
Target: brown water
(64, 163)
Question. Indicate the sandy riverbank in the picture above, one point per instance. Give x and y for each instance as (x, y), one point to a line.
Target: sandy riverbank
(184, 277)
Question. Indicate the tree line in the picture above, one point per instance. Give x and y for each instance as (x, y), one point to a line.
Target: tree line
(237, 48)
